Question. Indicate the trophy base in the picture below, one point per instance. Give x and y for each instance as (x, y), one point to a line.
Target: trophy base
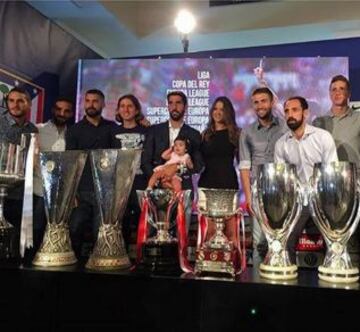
(54, 259)
(343, 276)
(108, 263)
(216, 262)
(278, 272)
(160, 259)
(7, 243)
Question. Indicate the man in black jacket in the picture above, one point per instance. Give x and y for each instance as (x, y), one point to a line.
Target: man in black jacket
(161, 136)
(91, 133)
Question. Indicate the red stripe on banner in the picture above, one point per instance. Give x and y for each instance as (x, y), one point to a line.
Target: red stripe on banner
(40, 107)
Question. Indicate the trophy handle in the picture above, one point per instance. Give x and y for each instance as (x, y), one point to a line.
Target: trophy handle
(152, 217)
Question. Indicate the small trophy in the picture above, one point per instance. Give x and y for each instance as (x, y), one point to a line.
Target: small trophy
(277, 203)
(12, 172)
(61, 172)
(113, 173)
(162, 253)
(218, 255)
(335, 207)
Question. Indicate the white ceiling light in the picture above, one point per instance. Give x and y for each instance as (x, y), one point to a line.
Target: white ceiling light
(185, 21)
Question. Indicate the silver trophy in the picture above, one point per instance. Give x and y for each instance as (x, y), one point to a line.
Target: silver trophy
(160, 200)
(218, 254)
(277, 204)
(335, 207)
(113, 173)
(12, 172)
(61, 172)
(160, 252)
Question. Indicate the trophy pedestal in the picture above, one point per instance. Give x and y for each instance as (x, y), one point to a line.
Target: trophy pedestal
(7, 242)
(160, 258)
(54, 259)
(278, 272)
(109, 252)
(333, 275)
(108, 263)
(56, 248)
(218, 262)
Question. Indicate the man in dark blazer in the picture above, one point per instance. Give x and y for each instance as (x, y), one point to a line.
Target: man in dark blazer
(161, 136)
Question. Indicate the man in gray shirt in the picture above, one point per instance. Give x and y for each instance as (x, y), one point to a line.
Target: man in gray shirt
(343, 123)
(13, 124)
(257, 143)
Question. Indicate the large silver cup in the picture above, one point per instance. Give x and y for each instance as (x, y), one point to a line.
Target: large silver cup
(335, 207)
(277, 204)
(216, 254)
(12, 172)
(113, 173)
(61, 172)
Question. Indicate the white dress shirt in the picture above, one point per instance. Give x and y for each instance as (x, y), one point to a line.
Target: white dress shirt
(50, 139)
(315, 146)
(173, 133)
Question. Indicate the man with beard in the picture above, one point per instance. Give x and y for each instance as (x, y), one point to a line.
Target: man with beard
(303, 146)
(51, 138)
(161, 137)
(13, 124)
(92, 132)
(257, 143)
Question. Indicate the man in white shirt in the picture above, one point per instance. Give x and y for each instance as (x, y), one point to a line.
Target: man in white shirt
(51, 138)
(303, 146)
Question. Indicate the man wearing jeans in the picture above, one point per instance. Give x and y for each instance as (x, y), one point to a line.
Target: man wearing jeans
(257, 144)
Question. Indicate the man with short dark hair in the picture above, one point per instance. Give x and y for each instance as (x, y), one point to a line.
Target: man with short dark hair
(257, 143)
(343, 123)
(302, 146)
(92, 132)
(161, 137)
(13, 124)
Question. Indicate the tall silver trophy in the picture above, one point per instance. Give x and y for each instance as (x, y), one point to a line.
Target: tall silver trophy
(12, 172)
(113, 173)
(277, 203)
(217, 254)
(61, 172)
(335, 207)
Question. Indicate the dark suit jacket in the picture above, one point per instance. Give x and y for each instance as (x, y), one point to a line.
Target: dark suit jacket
(158, 140)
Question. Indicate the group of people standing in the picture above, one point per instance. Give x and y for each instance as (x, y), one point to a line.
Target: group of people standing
(174, 151)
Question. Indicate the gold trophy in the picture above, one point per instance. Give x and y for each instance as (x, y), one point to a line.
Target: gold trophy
(113, 173)
(61, 172)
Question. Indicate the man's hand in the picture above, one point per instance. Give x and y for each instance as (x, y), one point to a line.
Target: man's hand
(169, 170)
(189, 164)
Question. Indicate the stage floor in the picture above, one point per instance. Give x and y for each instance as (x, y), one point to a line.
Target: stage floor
(75, 299)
